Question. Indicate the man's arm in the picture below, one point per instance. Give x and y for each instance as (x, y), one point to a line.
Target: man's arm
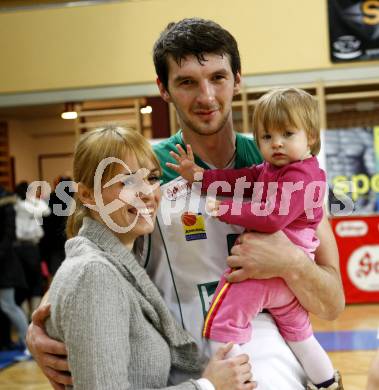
(317, 285)
(50, 355)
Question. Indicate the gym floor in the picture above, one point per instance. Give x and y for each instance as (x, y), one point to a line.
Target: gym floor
(351, 341)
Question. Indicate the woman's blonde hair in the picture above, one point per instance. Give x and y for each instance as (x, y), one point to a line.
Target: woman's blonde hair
(287, 108)
(95, 146)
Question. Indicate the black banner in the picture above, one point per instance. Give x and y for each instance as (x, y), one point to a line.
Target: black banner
(353, 30)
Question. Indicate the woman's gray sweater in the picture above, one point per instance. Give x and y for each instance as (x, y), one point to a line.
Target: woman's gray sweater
(116, 327)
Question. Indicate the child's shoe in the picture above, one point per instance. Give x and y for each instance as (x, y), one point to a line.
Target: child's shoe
(337, 385)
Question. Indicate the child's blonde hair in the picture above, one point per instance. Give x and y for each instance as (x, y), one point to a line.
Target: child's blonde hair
(287, 108)
(95, 146)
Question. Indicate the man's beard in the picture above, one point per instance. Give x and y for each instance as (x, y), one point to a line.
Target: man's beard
(203, 132)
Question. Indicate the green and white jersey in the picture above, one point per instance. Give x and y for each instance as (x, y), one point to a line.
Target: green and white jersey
(187, 254)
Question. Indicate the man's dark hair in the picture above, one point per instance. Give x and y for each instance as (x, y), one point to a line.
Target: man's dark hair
(196, 37)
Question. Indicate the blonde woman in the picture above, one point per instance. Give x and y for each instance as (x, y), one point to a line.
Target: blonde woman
(117, 329)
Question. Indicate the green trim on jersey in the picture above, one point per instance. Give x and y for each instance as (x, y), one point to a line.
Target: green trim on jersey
(247, 154)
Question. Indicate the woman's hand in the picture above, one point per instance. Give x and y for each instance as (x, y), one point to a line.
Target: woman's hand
(229, 374)
(186, 166)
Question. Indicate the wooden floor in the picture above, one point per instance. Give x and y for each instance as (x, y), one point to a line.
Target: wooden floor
(352, 364)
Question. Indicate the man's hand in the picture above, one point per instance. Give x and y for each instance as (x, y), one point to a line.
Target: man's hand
(50, 355)
(316, 284)
(261, 256)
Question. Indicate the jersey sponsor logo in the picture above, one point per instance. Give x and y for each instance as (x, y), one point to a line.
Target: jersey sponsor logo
(206, 292)
(193, 226)
(180, 189)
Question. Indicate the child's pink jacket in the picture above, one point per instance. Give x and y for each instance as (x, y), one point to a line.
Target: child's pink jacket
(291, 203)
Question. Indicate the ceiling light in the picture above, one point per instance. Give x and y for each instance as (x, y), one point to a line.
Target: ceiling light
(146, 110)
(69, 115)
(69, 111)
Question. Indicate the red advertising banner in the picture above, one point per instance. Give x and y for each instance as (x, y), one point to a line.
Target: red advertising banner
(358, 244)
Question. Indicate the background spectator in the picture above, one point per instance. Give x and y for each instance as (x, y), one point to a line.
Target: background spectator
(29, 213)
(52, 244)
(11, 272)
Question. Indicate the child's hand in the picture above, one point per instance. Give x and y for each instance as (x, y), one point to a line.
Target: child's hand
(212, 206)
(186, 166)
